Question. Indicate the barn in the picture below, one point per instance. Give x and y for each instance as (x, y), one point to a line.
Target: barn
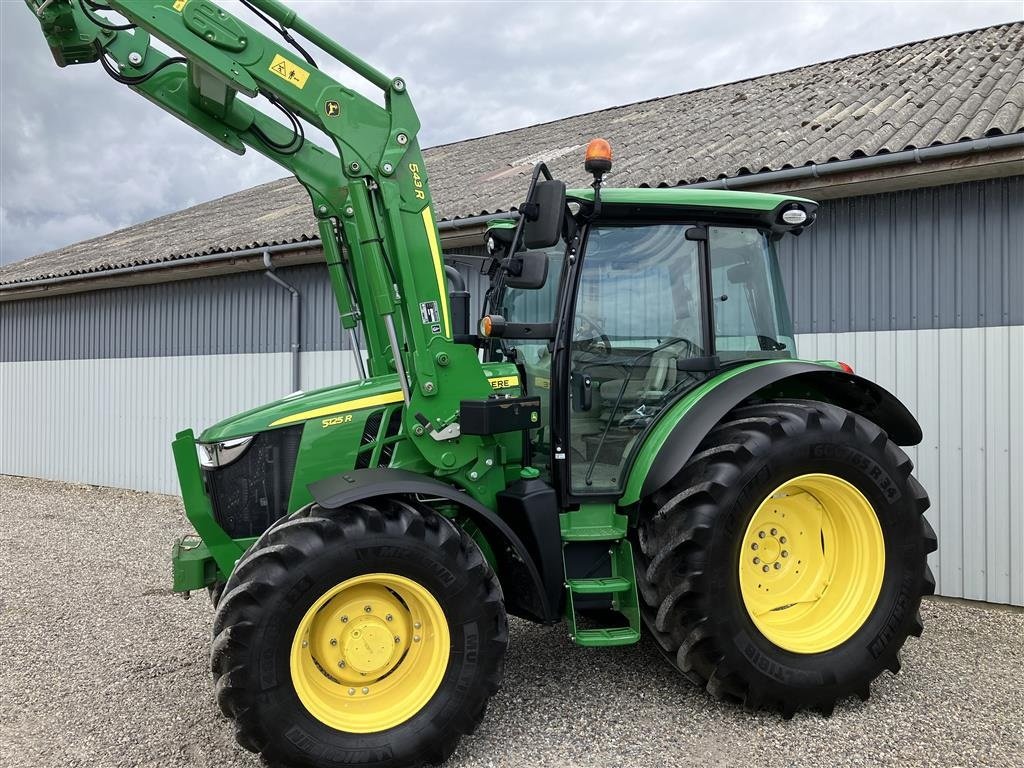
(914, 274)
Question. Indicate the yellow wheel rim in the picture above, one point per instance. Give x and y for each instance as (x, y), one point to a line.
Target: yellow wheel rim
(370, 653)
(811, 563)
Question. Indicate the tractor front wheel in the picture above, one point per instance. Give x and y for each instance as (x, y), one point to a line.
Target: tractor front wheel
(368, 635)
(784, 566)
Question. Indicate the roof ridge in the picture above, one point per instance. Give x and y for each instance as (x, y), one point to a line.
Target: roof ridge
(612, 108)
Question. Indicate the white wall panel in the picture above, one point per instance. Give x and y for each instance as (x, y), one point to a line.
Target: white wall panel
(966, 387)
(111, 422)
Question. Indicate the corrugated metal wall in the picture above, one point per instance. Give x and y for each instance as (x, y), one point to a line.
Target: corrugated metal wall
(111, 422)
(922, 290)
(966, 387)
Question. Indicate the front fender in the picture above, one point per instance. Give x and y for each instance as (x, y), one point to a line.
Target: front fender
(675, 437)
(515, 562)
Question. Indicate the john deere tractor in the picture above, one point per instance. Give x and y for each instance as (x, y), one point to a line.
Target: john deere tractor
(627, 441)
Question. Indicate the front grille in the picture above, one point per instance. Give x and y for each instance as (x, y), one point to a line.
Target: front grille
(388, 450)
(368, 439)
(252, 492)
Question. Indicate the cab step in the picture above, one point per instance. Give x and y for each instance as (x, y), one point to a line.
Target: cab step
(593, 522)
(600, 583)
(600, 586)
(606, 637)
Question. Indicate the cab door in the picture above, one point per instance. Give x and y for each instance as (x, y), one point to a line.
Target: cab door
(637, 312)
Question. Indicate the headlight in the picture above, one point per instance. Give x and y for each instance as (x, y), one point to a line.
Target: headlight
(213, 455)
(794, 215)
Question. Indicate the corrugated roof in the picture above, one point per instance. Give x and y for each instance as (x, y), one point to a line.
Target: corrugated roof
(939, 91)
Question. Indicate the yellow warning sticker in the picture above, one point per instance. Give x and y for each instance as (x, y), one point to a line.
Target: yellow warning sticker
(289, 72)
(542, 383)
(179, 5)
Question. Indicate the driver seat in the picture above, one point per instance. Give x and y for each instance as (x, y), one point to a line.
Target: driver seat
(661, 375)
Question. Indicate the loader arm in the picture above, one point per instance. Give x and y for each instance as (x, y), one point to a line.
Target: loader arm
(370, 194)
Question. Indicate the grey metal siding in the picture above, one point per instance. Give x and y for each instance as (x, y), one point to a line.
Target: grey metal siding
(230, 314)
(940, 257)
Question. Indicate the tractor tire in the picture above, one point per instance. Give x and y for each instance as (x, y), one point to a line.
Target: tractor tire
(373, 634)
(215, 591)
(813, 502)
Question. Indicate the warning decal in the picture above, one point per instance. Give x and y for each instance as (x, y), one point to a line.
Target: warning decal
(429, 313)
(288, 71)
(179, 5)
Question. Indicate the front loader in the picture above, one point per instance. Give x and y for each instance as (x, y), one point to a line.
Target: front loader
(626, 442)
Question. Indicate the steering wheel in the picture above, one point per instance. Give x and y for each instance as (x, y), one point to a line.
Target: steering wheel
(594, 339)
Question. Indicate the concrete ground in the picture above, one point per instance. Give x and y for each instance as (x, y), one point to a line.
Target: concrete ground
(100, 665)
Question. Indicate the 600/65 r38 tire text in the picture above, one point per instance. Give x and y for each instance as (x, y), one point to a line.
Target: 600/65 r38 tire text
(784, 566)
(373, 634)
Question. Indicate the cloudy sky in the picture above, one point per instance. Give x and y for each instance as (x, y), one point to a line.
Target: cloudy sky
(82, 156)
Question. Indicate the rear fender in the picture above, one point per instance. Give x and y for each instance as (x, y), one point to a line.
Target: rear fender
(517, 569)
(673, 440)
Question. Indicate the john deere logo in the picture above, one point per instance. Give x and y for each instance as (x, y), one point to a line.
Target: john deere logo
(332, 108)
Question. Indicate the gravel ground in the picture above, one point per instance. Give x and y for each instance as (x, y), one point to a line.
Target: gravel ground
(103, 666)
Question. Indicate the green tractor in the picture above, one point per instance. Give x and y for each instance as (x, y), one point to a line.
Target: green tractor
(626, 443)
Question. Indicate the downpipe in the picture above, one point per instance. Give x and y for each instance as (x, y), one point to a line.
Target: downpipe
(296, 300)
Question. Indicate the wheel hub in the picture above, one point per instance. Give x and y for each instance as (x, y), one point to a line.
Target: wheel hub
(368, 647)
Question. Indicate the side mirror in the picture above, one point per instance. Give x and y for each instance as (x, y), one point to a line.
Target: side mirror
(527, 269)
(544, 213)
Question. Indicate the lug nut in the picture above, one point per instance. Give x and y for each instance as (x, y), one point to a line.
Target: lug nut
(365, 691)
(351, 691)
(397, 639)
(334, 641)
(341, 664)
(415, 638)
(757, 561)
(785, 553)
(305, 643)
(344, 619)
(765, 569)
(778, 566)
(774, 531)
(368, 608)
(760, 534)
(389, 617)
(754, 545)
(782, 539)
(416, 625)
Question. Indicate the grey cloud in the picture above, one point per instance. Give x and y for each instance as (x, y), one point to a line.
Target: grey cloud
(82, 156)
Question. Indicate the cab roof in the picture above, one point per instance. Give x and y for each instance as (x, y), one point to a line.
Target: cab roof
(686, 197)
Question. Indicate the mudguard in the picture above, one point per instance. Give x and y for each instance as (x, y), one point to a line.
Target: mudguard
(514, 560)
(691, 419)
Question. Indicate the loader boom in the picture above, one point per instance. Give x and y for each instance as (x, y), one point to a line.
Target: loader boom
(370, 194)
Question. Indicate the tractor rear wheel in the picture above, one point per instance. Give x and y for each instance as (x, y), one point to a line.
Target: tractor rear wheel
(784, 565)
(373, 634)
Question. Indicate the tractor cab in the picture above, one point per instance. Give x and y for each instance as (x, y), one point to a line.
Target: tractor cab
(648, 293)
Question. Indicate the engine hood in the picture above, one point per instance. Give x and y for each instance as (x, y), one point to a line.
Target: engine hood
(302, 406)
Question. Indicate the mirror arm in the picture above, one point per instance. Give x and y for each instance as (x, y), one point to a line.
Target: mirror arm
(538, 169)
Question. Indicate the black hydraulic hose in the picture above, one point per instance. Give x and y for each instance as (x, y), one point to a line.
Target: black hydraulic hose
(298, 138)
(130, 79)
(281, 30)
(86, 4)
